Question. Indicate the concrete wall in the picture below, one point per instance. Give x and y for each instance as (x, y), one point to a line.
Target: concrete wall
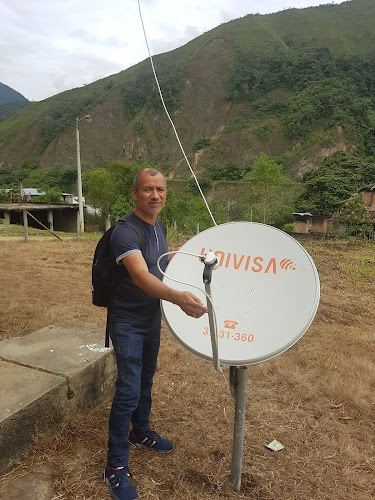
(47, 377)
(315, 225)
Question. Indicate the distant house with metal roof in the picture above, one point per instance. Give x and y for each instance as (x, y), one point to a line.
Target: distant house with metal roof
(27, 193)
(33, 192)
(305, 222)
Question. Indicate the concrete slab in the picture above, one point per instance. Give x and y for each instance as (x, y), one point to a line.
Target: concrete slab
(75, 352)
(49, 376)
(28, 406)
(20, 387)
(36, 484)
(62, 348)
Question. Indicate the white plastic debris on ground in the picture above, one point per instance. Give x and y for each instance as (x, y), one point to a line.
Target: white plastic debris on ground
(275, 445)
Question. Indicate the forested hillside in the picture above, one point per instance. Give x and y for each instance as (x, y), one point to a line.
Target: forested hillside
(286, 84)
(11, 101)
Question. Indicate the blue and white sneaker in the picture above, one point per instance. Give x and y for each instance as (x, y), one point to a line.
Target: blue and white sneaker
(150, 440)
(118, 478)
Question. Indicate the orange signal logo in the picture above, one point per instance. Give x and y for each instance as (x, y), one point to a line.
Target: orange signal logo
(287, 264)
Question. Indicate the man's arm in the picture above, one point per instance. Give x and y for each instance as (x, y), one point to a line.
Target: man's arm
(138, 270)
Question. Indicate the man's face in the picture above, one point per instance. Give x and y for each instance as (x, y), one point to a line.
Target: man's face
(151, 194)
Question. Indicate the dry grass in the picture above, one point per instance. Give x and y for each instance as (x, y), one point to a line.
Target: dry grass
(317, 398)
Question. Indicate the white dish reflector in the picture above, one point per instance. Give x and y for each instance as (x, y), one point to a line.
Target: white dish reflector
(265, 292)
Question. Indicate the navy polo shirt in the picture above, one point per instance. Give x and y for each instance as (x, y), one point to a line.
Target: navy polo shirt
(129, 304)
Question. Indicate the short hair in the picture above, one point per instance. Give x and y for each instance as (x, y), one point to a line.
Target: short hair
(148, 170)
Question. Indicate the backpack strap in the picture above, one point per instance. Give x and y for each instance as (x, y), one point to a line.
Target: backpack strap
(106, 341)
(134, 221)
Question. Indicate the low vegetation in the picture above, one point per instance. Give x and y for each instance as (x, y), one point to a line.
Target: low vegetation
(264, 192)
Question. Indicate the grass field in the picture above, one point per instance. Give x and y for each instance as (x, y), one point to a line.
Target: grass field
(317, 398)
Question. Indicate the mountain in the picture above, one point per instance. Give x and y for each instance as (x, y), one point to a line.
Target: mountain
(296, 85)
(11, 101)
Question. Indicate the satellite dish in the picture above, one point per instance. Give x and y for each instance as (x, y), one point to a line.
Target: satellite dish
(265, 292)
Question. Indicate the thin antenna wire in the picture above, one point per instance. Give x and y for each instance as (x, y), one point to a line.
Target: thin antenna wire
(170, 119)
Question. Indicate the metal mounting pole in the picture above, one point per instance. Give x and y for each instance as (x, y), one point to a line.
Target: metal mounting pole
(237, 378)
(207, 276)
(238, 386)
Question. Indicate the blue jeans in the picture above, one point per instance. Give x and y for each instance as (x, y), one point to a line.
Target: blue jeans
(136, 349)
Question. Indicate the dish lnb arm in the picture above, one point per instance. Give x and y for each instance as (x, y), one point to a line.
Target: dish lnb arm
(211, 263)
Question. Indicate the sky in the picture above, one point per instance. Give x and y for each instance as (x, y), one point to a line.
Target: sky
(49, 46)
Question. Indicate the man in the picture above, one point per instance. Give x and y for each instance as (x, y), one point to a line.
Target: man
(135, 318)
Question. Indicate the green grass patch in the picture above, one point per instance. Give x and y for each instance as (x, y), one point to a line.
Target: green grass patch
(14, 230)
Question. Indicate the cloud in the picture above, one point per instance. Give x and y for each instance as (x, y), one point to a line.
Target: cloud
(48, 47)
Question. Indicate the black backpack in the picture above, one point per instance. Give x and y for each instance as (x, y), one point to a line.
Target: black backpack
(104, 264)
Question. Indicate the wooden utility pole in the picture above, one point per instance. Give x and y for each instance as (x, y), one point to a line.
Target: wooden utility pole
(24, 212)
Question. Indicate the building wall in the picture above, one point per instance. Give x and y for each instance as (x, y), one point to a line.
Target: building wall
(300, 227)
(315, 225)
(65, 220)
(369, 199)
(324, 226)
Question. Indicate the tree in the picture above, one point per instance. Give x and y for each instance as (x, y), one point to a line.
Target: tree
(46, 178)
(201, 143)
(122, 206)
(8, 177)
(110, 187)
(228, 172)
(98, 189)
(190, 211)
(338, 177)
(68, 179)
(205, 184)
(169, 212)
(122, 175)
(327, 103)
(52, 195)
(28, 166)
(272, 192)
(355, 215)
